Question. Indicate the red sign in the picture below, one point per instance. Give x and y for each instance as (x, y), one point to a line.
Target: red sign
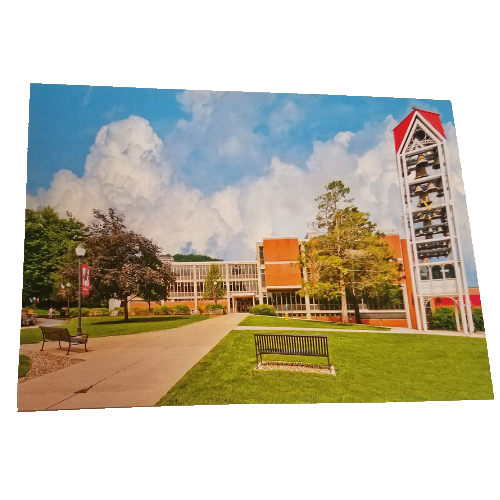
(85, 279)
(215, 292)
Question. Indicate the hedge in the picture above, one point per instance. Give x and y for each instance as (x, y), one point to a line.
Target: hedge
(73, 311)
(263, 310)
(477, 316)
(99, 311)
(182, 309)
(139, 311)
(443, 318)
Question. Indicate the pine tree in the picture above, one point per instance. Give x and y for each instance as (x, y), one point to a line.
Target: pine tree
(349, 256)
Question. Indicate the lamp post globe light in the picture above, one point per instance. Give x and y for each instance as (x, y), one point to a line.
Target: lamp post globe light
(80, 251)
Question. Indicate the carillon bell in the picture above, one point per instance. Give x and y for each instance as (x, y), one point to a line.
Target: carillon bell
(420, 167)
(428, 231)
(435, 164)
(431, 187)
(418, 189)
(424, 202)
(439, 185)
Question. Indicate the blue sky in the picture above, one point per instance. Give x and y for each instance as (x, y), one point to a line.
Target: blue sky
(214, 172)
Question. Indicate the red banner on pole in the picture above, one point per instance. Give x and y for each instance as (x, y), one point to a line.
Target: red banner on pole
(85, 279)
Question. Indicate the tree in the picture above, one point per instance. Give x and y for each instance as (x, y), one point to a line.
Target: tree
(156, 285)
(349, 256)
(47, 243)
(122, 261)
(213, 280)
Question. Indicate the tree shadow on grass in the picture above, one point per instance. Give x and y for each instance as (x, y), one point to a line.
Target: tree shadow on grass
(147, 319)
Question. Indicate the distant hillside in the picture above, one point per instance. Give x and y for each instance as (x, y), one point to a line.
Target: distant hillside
(193, 258)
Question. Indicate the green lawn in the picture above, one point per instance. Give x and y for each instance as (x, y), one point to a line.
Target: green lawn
(370, 367)
(110, 326)
(24, 365)
(256, 320)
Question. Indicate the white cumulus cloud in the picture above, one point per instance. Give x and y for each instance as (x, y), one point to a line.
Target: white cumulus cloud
(128, 168)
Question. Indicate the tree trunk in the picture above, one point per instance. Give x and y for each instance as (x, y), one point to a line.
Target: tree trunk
(357, 315)
(149, 306)
(345, 316)
(125, 309)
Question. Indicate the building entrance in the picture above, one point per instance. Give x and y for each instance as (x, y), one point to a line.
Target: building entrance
(243, 305)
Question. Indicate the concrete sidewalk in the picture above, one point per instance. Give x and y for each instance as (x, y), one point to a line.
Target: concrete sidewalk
(46, 322)
(123, 371)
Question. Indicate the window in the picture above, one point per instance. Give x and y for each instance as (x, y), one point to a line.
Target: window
(424, 273)
(261, 255)
(449, 271)
(437, 273)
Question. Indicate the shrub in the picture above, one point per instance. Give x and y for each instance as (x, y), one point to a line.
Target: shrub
(158, 310)
(121, 310)
(167, 310)
(99, 311)
(263, 310)
(73, 312)
(443, 318)
(214, 306)
(477, 316)
(200, 309)
(139, 311)
(182, 309)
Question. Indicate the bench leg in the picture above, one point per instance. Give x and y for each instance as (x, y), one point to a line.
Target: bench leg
(86, 346)
(59, 344)
(69, 345)
(43, 343)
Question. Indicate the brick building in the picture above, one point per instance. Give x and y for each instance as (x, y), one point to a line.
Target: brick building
(274, 278)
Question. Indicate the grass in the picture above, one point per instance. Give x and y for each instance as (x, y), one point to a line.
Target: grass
(107, 326)
(24, 365)
(371, 367)
(256, 320)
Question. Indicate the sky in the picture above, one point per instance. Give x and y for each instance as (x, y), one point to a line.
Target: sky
(214, 172)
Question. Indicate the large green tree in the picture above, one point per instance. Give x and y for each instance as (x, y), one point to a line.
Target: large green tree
(121, 261)
(48, 240)
(156, 284)
(213, 280)
(348, 256)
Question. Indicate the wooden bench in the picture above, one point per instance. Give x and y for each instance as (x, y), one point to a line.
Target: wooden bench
(62, 335)
(291, 345)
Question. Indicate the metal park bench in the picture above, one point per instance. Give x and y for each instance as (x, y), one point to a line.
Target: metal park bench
(291, 345)
(62, 335)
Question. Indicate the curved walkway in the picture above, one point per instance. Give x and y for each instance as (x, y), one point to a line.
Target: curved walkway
(46, 322)
(123, 371)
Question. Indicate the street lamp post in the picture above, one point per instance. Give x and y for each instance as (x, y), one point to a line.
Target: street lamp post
(80, 251)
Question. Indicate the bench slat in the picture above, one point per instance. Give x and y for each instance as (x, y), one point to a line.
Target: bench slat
(298, 345)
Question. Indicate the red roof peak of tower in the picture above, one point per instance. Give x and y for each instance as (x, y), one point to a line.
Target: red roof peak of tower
(433, 119)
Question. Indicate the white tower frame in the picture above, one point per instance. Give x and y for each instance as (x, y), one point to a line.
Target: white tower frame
(410, 147)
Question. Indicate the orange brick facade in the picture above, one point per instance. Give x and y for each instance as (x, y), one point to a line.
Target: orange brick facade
(282, 275)
(281, 249)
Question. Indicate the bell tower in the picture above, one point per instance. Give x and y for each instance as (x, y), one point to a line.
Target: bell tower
(434, 246)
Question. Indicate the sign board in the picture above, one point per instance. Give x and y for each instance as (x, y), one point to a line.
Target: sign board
(85, 279)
